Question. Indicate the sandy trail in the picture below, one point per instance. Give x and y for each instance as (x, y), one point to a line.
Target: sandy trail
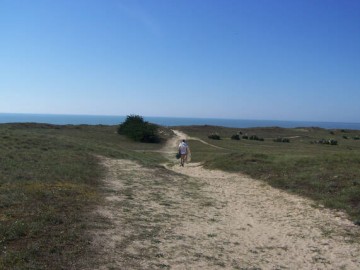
(181, 135)
(202, 219)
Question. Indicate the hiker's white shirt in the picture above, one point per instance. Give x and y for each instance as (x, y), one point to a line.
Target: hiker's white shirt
(183, 148)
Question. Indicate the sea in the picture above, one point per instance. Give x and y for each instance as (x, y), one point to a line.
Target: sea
(65, 119)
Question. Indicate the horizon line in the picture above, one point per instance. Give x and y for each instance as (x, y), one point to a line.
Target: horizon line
(181, 117)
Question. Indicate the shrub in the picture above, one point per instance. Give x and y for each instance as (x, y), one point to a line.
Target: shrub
(134, 127)
(214, 136)
(333, 142)
(332, 132)
(235, 137)
(255, 138)
(356, 138)
(345, 137)
(284, 140)
(329, 141)
(252, 137)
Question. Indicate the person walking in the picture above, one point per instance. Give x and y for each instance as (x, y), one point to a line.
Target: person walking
(184, 150)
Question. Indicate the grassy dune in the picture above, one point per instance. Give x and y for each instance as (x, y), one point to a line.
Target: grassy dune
(50, 179)
(330, 174)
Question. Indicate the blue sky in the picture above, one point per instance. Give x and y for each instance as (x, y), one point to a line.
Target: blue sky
(244, 59)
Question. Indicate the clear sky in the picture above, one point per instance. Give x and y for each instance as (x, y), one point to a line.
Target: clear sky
(244, 59)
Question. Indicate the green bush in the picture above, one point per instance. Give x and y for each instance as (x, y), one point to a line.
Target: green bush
(214, 136)
(134, 127)
(284, 140)
(329, 141)
(356, 138)
(235, 137)
(255, 138)
(333, 142)
(252, 137)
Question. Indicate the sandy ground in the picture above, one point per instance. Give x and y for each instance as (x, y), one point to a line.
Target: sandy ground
(176, 217)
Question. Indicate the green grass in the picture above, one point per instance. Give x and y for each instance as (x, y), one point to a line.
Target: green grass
(49, 179)
(329, 174)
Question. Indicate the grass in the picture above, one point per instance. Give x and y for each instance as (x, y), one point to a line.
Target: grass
(149, 207)
(49, 179)
(329, 174)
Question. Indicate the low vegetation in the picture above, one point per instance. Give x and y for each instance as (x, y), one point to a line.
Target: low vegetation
(252, 138)
(280, 139)
(50, 178)
(330, 175)
(326, 141)
(134, 127)
(255, 138)
(214, 136)
(49, 181)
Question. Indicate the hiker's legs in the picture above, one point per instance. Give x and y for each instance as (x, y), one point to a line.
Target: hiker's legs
(182, 160)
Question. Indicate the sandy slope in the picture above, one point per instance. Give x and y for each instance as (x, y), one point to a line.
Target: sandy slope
(215, 220)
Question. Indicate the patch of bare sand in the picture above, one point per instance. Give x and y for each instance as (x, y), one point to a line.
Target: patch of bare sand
(181, 135)
(192, 218)
(259, 226)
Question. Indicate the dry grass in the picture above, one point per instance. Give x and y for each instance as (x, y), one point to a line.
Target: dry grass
(49, 181)
(330, 174)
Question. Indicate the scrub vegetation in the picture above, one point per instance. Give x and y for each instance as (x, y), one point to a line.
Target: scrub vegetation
(134, 127)
(328, 173)
(50, 178)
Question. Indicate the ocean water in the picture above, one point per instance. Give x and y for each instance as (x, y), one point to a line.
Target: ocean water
(59, 119)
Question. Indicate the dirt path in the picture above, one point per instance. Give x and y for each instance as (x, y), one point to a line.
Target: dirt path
(180, 135)
(192, 218)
